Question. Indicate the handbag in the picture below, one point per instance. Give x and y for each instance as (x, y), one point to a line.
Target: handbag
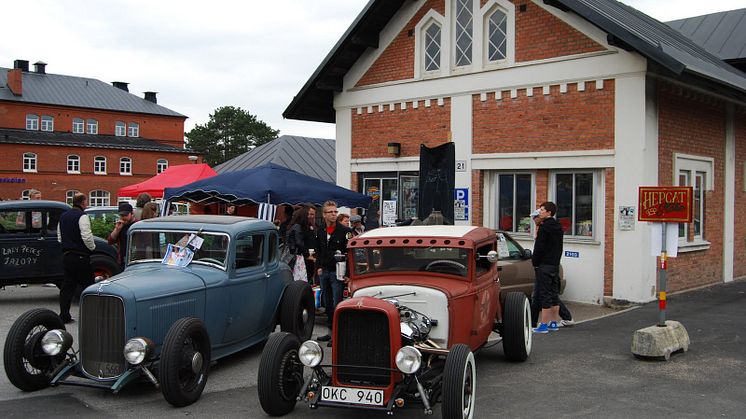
(299, 269)
(286, 255)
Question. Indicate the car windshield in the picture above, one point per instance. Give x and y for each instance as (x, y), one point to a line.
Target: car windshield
(145, 245)
(446, 260)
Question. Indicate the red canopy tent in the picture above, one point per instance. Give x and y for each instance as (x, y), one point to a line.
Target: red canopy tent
(172, 177)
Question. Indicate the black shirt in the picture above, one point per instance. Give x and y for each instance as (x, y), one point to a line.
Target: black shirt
(548, 245)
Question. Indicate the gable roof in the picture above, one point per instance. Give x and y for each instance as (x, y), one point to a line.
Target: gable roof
(627, 27)
(79, 92)
(723, 33)
(313, 157)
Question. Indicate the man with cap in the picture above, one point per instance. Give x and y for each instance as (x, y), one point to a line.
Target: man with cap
(356, 223)
(119, 235)
(74, 232)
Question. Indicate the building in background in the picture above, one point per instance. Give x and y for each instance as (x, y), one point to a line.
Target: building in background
(63, 134)
(574, 101)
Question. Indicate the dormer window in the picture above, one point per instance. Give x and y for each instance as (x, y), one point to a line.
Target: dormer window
(497, 36)
(32, 122)
(92, 126)
(133, 129)
(78, 126)
(120, 129)
(47, 123)
(463, 32)
(432, 47)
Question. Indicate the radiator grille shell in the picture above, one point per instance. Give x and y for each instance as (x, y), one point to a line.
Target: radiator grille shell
(363, 340)
(102, 336)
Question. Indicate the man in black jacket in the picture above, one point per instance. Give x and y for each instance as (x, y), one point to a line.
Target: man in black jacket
(546, 260)
(74, 232)
(331, 238)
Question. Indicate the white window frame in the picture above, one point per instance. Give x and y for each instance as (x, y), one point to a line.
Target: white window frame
(597, 202)
(99, 198)
(32, 122)
(78, 126)
(29, 162)
(486, 11)
(91, 126)
(694, 166)
(514, 231)
(161, 165)
(431, 17)
(133, 129)
(120, 129)
(69, 195)
(73, 164)
(99, 165)
(47, 123)
(125, 166)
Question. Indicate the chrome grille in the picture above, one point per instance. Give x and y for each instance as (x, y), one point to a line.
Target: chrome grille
(102, 334)
(362, 340)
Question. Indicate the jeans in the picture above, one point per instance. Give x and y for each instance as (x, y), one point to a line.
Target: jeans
(536, 304)
(78, 272)
(332, 291)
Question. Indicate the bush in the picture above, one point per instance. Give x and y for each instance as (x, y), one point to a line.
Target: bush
(102, 226)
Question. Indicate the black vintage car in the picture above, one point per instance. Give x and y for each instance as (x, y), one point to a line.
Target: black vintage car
(29, 248)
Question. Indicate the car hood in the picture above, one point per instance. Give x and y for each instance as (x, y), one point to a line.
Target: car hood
(150, 282)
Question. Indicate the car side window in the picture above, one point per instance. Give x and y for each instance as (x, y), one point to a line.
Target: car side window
(249, 250)
(12, 222)
(483, 265)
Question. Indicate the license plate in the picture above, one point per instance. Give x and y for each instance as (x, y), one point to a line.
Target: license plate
(352, 395)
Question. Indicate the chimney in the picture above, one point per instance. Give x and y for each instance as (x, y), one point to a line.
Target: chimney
(21, 64)
(40, 67)
(150, 97)
(15, 81)
(120, 85)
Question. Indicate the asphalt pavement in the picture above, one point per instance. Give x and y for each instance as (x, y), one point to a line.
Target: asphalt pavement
(587, 371)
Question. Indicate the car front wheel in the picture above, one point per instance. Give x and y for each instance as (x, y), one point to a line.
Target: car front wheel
(298, 310)
(26, 364)
(185, 359)
(517, 333)
(280, 374)
(459, 384)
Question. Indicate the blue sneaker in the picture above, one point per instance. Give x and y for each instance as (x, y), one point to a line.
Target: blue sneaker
(553, 327)
(543, 328)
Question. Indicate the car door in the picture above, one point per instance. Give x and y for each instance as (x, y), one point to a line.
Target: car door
(246, 288)
(516, 270)
(30, 253)
(485, 284)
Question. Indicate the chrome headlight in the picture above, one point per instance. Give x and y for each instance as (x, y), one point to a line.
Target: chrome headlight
(408, 359)
(310, 353)
(56, 341)
(137, 350)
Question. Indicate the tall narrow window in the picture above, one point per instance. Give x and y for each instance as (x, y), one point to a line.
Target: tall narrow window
(78, 126)
(69, 196)
(120, 129)
(464, 34)
(161, 165)
(133, 129)
(696, 180)
(98, 198)
(575, 205)
(32, 122)
(125, 166)
(47, 123)
(99, 165)
(514, 202)
(73, 164)
(29, 162)
(432, 47)
(92, 126)
(497, 36)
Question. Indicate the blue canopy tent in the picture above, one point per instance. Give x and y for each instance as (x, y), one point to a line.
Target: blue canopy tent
(266, 184)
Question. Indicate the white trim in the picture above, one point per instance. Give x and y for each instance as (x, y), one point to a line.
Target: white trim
(541, 160)
(729, 216)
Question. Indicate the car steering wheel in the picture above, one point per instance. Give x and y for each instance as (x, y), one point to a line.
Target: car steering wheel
(448, 264)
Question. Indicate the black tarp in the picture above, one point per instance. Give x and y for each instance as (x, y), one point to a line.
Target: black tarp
(437, 180)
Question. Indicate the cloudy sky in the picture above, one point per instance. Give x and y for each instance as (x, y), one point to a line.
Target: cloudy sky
(200, 55)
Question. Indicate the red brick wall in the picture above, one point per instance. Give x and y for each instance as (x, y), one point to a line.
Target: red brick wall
(477, 188)
(53, 180)
(164, 129)
(693, 125)
(371, 132)
(555, 122)
(609, 232)
(739, 259)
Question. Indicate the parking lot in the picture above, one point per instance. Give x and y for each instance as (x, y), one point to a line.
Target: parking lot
(584, 371)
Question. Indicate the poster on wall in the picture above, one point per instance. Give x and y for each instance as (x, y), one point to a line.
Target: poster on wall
(389, 213)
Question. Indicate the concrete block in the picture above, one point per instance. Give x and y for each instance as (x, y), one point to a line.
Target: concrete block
(657, 341)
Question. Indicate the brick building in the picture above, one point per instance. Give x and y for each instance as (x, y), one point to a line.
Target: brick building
(62, 134)
(575, 101)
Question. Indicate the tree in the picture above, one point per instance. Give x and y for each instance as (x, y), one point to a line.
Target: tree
(230, 132)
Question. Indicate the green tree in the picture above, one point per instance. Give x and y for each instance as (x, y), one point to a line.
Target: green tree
(230, 132)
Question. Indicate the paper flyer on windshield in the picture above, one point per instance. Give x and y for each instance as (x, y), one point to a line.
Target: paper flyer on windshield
(178, 256)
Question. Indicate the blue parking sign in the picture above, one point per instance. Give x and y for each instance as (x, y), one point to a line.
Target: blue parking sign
(461, 204)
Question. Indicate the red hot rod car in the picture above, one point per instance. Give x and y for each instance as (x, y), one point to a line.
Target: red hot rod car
(423, 298)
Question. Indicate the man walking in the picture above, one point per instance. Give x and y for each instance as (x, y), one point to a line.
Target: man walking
(75, 234)
(546, 260)
(330, 239)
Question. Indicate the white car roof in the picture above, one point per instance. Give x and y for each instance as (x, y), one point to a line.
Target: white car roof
(419, 231)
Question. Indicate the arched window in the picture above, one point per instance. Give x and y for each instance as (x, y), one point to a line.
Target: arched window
(29, 162)
(125, 166)
(463, 35)
(432, 47)
(32, 122)
(161, 165)
(47, 123)
(92, 126)
(133, 129)
(73, 164)
(98, 198)
(497, 36)
(120, 129)
(69, 196)
(99, 165)
(78, 126)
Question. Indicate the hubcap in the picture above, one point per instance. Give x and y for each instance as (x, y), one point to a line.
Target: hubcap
(304, 315)
(197, 362)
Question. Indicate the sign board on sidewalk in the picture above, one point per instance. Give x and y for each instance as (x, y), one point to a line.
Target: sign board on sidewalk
(667, 204)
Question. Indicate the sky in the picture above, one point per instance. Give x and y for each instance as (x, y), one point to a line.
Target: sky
(200, 55)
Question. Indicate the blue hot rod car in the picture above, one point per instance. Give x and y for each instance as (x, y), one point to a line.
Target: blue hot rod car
(169, 314)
